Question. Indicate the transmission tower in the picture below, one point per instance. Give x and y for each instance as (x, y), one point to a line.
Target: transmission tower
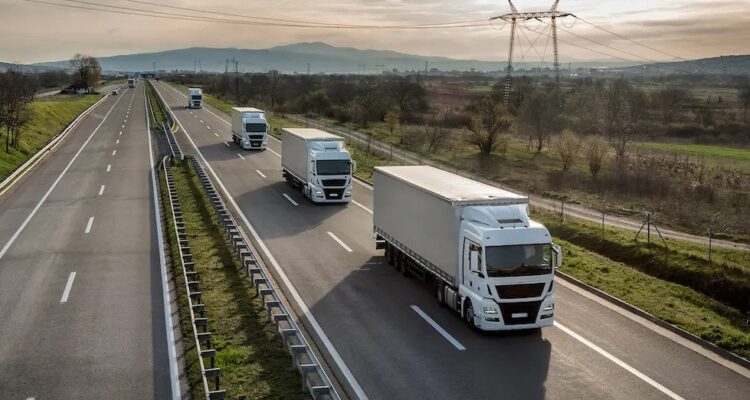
(513, 17)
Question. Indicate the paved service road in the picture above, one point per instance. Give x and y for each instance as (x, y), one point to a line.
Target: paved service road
(377, 320)
(80, 273)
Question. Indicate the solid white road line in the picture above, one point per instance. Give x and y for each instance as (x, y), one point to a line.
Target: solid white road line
(172, 353)
(101, 190)
(226, 144)
(109, 167)
(68, 286)
(304, 310)
(341, 242)
(271, 150)
(290, 199)
(54, 184)
(240, 156)
(114, 152)
(361, 206)
(260, 173)
(438, 328)
(619, 362)
(88, 225)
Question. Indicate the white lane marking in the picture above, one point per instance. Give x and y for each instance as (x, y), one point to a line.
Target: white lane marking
(271, 150)
(123, 126)
(619, 362)
(226, 144)
(101, 190)
(240, 156)
(260, 173)
(109, 167)
(126, 120)
(54, 184)
(290, 199)
(361, 206)
(341, 242)
(304, 310)
(118, 141)
(30, 398)
(208, 127)
(114, 152)
(200, 120)
(176, 393)
(68, 286)
(121, 133)
(216, 134)
(438, 328)
(88, 225)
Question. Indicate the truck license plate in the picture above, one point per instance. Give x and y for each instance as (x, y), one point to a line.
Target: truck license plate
(334, 195)
(520, 315)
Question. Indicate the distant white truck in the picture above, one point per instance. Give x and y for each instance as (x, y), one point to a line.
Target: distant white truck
(249, 128)
(317, 162)
(195, 98)
(131, 82)
(488, 260)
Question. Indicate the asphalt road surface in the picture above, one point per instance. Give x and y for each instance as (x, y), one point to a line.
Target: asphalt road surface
(80, 275)
(394, 338)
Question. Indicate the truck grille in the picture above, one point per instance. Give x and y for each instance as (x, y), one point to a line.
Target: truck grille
(530, 309)
(520, 291)
(333, 182)
(334, 194)
(255, 137)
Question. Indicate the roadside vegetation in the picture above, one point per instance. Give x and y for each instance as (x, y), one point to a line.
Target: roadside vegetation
(253, 361)
(159, 114)
(645, 125)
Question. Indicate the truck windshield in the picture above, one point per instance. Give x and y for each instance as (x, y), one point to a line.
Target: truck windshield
(519, 260)
(255, 127)
(196, 97)
(333, 167)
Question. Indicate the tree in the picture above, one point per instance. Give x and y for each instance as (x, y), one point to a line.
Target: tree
(624, 114)
(539, 116)
(16, 92)
(668, 102)
(392, 121)
(490, 120)
(595, 152)
(567, 147)
(585, 105)
(368, 99)
(87, 71)
(434, 133)
(408, 95)
(743, 95)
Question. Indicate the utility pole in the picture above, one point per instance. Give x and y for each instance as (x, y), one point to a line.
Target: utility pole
(513, 17)
(380, 67)
(308, 68)
(237, 80)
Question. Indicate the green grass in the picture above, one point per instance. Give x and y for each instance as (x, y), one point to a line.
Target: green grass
(49, 116)
(725, 279)
(253, 361)
(159, 113)
(676, 304)
(721, 152)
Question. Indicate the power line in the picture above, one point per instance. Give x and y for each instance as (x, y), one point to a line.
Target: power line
(630, 40)
(605, 45)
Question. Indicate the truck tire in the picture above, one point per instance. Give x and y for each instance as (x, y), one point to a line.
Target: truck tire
(440, 294)
(389, 254)
(469, 316)
(404, 265)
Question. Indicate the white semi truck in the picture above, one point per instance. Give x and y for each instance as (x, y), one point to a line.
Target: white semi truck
(317, 162)
(131, 82)
(195, 98)
(489, 261)
(249, 128)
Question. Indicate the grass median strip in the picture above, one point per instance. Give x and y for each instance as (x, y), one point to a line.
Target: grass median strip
(158, 109)
(253, 361)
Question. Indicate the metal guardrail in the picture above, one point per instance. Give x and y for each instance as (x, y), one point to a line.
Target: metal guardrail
(314, 378)
(174, 147)
(201, 336)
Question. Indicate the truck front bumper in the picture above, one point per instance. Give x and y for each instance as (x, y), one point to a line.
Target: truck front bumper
(331, 195)
(516, 316)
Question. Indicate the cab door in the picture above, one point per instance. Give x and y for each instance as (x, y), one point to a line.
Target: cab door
(469, 276)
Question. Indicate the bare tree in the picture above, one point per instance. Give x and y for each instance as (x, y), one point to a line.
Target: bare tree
(435, 134)
(743, 95)
(595, 152)
(585, 106)
(16, 92)
(491, 119)
(567, 147)
(624, 114)
(539, 117)
(367, 99)
(668, 101)
(392, 121)
(87, 71)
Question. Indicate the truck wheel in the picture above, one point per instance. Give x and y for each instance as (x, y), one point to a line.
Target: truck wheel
(440, 294)
(404, 266)
(389, 254)
(469, 316)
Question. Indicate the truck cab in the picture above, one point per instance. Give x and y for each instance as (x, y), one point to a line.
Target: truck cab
(195, 98)
(250, 128)
(330, 173)
(507, 264)
(131, 82)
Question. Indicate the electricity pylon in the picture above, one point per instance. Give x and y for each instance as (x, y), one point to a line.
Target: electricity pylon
(515, 16)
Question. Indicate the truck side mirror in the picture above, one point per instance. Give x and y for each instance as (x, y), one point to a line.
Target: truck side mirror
(474, 262)
(558, 255)
(354, 167)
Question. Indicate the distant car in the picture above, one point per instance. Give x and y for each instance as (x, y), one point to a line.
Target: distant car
(114, 92)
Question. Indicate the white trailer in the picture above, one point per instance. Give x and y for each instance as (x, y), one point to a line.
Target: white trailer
(250, 128)
(131, 82)
(195, 98)
(489, 261)
(317, 162)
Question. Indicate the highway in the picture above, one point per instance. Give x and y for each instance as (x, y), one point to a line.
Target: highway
(394, 338)
(80, 272)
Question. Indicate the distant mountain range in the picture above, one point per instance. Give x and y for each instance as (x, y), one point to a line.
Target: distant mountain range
(322, 57)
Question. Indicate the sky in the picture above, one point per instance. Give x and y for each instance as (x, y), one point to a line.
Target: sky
(34, 32)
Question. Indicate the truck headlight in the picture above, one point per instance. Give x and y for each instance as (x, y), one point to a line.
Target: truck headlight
(490, 310)
(318, 192)
(549, 307)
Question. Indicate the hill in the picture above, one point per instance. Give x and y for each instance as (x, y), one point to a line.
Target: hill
(731, 65)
